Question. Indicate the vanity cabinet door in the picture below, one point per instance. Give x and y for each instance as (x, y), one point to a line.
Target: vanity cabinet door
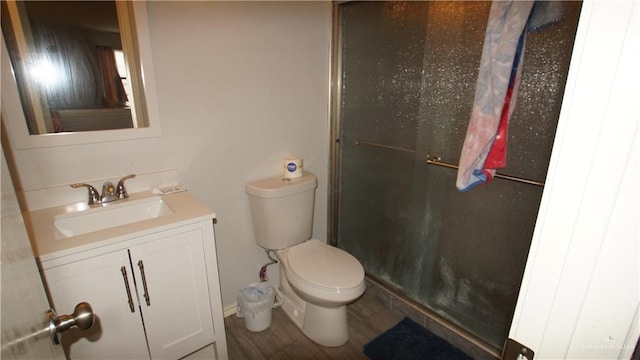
(118, 332)
(171, 278)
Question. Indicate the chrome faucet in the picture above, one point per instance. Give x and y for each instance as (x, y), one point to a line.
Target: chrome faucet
(109, 191)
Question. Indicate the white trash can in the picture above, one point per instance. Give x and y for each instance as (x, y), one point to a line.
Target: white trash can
(254, 305)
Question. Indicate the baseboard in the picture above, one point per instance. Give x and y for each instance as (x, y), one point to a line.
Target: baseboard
(230, 310)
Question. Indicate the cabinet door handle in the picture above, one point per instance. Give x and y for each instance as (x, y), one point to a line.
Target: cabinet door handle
(144, 283)
(123, 270)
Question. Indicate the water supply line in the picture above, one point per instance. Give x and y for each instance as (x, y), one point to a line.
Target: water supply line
(263, 269)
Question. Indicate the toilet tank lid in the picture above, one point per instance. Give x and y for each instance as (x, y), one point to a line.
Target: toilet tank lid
(276, 187)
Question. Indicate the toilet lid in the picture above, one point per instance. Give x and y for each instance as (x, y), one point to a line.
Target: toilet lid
(326, 266)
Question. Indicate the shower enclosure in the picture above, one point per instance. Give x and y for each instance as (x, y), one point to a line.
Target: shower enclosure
(404, 83)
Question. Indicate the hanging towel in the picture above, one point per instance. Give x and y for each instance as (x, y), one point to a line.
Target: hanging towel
(484, 147)
(544, 14)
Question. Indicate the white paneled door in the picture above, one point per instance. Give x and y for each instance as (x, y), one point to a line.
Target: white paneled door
(580, 294)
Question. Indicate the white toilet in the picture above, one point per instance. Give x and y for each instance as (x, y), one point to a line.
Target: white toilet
(317, 281)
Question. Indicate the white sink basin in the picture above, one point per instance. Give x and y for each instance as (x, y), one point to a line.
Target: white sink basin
(109, 216)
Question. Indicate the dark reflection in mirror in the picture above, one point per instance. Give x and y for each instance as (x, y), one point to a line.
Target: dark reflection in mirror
(70, 66)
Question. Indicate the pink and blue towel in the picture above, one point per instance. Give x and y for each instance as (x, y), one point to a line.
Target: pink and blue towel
(485, 144)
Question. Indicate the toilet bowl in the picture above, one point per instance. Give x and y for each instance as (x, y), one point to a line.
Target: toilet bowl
(317, 281)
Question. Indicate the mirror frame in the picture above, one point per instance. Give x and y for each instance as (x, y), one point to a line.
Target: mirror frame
(15, 120)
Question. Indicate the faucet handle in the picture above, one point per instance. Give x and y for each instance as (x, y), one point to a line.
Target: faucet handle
(121, 192)
(94, 195)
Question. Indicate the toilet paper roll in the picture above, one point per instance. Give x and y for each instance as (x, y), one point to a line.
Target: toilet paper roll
(292, 167)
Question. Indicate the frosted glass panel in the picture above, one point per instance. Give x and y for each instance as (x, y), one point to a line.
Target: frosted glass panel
(23, 298)
(408, 81)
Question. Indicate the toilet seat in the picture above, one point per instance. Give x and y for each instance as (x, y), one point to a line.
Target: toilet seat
(325, 267)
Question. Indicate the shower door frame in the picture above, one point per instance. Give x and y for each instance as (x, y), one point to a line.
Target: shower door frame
(334, 126)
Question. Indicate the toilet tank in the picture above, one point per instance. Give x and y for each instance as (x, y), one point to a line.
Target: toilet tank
(282, 210)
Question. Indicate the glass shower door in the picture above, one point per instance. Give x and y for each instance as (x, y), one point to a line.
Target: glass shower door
(408, 72)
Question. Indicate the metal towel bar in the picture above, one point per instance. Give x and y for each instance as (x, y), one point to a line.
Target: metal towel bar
(435, 160)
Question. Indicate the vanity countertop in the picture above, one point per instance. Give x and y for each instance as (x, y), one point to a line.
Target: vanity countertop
(48, 244)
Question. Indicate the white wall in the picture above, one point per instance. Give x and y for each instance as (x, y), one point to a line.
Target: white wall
(240, 85)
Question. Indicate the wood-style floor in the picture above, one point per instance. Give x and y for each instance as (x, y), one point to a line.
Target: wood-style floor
(368, 317)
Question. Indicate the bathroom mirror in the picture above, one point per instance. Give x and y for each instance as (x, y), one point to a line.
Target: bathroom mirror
(82, 70)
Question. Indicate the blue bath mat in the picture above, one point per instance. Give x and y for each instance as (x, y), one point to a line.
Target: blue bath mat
(410, 341)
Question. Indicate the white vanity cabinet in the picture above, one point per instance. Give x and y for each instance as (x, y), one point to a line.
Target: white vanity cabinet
(154, 296)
